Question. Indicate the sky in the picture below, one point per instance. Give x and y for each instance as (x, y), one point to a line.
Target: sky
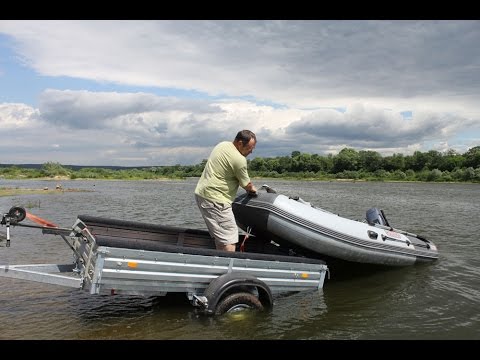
(153, 93)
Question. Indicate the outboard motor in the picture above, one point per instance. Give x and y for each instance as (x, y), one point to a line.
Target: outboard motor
(375, 216)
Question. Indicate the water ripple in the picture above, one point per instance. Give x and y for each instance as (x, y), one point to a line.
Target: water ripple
(429, 301)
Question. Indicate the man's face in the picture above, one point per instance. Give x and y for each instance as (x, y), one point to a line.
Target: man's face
(247, 149)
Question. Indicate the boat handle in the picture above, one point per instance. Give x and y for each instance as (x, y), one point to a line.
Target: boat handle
(385, 237)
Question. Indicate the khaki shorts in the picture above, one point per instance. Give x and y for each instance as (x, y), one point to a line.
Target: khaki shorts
(219, 219)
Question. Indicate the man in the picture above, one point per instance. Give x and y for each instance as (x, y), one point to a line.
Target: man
(225, 171)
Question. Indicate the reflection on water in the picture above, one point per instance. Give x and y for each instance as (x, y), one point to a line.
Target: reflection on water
(428, 301)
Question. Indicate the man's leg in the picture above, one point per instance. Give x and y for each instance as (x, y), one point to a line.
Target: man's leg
(229, 247)
(220, 222)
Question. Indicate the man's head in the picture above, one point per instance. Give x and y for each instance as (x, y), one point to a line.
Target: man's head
(245, 142)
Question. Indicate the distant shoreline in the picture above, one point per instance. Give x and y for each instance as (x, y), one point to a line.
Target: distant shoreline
(67, 178)
(9, 191)
(58, 179)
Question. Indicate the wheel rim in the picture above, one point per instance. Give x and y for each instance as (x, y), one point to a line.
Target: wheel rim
(239, 307)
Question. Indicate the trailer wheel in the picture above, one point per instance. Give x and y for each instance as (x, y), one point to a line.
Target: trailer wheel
(239, 301)
(17, 213)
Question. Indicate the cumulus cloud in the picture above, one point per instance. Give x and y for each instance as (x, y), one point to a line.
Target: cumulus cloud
(169, 90)
(371, 127)
(17, 117)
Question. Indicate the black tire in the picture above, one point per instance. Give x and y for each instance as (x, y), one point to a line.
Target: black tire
(238, 302)
(17, 213)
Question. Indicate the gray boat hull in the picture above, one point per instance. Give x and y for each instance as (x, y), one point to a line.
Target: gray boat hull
(296, 222)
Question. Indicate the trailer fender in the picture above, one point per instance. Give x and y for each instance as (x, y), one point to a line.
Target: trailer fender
(244, 285)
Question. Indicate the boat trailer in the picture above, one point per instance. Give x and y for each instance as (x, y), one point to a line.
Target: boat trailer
(113, 257)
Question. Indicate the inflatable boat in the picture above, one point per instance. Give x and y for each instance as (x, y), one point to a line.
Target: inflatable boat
(295, 223)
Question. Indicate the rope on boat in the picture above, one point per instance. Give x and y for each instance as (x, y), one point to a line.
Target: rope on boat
(247, 235)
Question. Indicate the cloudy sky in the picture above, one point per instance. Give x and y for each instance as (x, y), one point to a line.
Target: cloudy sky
(146, 93)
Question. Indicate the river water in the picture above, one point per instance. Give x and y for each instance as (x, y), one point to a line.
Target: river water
(435, 301)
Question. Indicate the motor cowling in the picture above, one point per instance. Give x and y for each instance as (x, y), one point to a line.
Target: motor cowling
(376, 216)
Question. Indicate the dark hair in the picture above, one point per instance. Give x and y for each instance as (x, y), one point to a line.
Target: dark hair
(245, 136)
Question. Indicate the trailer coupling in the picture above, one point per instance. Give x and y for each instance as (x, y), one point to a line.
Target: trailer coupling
(17, 214)
(14, 216)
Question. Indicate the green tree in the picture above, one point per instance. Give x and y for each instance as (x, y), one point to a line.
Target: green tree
(369, 160)
(472, 157)
(416, 162)
(258, 164)
(451, 160)
(54, 169)
(394, 162)
(433, 160)
(347, 159)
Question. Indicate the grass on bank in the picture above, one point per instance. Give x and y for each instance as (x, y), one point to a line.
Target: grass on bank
(8, 191)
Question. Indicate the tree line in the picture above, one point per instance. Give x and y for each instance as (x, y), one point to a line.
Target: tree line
(448, 166)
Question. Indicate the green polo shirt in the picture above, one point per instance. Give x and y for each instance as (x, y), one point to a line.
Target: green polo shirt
(225, 171)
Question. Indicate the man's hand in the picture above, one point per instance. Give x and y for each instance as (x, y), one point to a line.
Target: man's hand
(251, 189)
